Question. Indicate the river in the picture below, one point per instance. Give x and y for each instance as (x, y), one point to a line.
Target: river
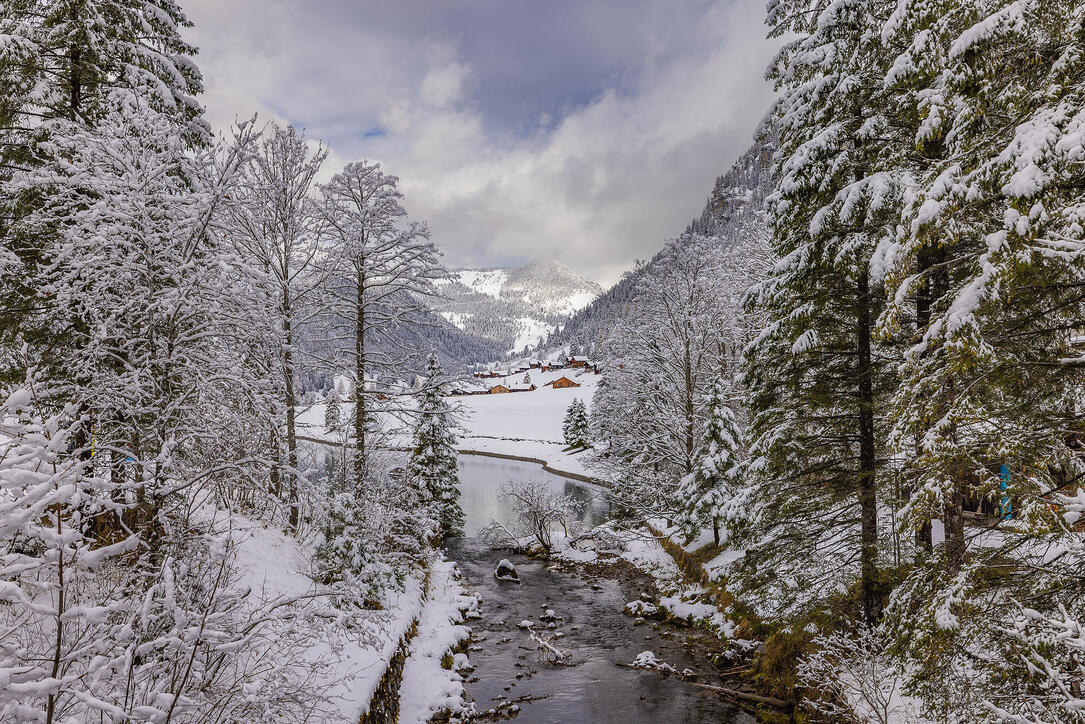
(592, 630)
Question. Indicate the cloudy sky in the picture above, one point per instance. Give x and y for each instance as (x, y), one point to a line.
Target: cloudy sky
(586, 131)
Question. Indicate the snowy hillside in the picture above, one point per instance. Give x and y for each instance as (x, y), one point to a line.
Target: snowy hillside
(515, 306)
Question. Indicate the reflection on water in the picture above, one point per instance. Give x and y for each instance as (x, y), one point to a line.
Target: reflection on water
(482, 479)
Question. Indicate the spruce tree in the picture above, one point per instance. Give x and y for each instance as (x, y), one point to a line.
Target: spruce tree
(991, 254)
(432, 469)
(333, 421)
(815, 373)
(712, 492)
(575, 427)
(985, 282)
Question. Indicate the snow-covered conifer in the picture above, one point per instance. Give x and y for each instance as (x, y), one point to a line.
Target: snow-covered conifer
(575, 428)
(990, 253)
(432, 469)
(713, 491)
(815, 372)
(333, 419)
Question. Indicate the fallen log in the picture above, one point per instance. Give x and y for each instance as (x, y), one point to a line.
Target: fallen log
(743, 695)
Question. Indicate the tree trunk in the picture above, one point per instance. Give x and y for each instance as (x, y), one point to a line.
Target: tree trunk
(868, 503)
(291, 412)
(75, 70)
(924, 298)
(923, 543)
(275, 482)
(953, 520)
(690, 418)
(359, 386)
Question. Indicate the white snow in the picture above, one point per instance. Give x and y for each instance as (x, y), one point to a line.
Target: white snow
(276, 566)
(428, 688)
(457, 319)
(527, 415)
(648, 660)
(531, 332)
(489, 282)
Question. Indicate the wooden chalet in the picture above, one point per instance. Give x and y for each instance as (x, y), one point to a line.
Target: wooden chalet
(563, 383)
(578, 362)
(528, 387)
(499, 390)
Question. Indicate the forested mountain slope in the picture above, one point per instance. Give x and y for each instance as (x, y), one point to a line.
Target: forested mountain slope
(514, 306)
(734, 208)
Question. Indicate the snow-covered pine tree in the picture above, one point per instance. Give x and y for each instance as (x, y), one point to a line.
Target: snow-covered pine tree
(713, 491)
(381, 268)
(82, 51)
(992, 252)
(567, 423)
(814, 373)
(575, 428)
(333, 419)
(989, 255)
(432, 471)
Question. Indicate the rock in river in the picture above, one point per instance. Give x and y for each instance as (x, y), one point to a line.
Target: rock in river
(506, 571)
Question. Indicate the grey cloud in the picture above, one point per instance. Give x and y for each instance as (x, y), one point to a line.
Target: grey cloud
(642, 104)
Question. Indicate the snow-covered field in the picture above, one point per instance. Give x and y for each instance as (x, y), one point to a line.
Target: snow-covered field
(526, 424)
(526, 415)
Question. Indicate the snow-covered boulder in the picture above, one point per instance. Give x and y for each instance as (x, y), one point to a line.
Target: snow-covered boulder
(526, 624)
(641, 608)
(461, 663)
(648, 660)
(506, 571)
(548, 615)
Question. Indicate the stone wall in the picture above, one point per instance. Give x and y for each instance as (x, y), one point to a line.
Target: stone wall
(384, 707)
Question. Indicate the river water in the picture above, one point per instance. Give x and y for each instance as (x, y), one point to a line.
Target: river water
(590, 686)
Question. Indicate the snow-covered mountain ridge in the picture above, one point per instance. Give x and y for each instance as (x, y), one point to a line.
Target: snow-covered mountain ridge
(516, 306)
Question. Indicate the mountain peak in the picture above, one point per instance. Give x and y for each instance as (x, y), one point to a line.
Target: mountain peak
(518, 306)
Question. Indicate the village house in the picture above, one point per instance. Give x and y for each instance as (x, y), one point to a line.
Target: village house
(578, 362)
(499, 390)
(563, 383)
(523, 388)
